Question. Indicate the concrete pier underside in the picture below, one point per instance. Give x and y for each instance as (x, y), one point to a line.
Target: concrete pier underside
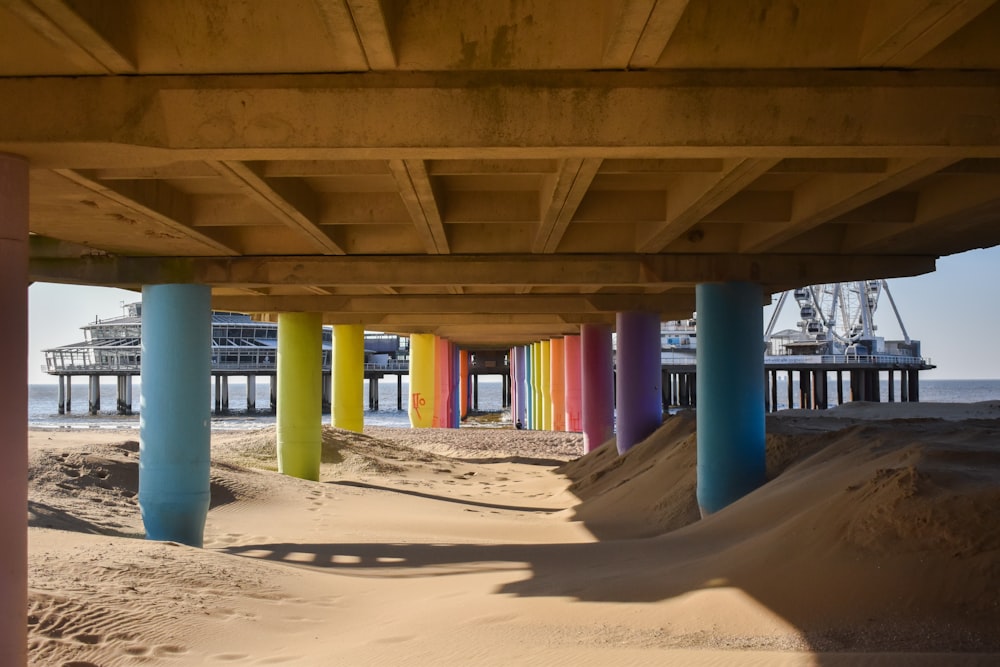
(586, 163)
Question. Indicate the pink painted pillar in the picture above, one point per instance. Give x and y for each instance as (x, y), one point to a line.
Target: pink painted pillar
(571, 368)
(574, 416)
(557, 383)
(597, 385)
(14, 409)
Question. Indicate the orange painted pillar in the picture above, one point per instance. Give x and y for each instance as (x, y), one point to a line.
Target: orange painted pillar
(14, 409)
(463, 383)
(557, 380)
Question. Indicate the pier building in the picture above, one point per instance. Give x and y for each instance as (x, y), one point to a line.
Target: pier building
(496, 175)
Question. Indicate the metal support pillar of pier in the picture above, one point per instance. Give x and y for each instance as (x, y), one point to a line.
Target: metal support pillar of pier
(62, 394)
(639, 389)
(557, 382)
(804, 396)
(774, 391)
(892, 386)
(475, 393)
(225, 394)
(347, 378)
(273, 392)
(790, 387)
(218, 394)
(174, 430)
(421, 399)
(822, 390)
(730, 357)
(94, 395)
(326, 386)
(442, 383)
(69, 393)
(914, 382)
(597, 385)
(904, 386)
(840, 387)
(571, 383)
(251, 393)
(399, 391)
(13, 408)
(299, 427)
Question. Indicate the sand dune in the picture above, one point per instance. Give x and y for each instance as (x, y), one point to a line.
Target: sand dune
(874, 542)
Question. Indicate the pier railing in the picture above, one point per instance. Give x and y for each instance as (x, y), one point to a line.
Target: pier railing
(848, 359)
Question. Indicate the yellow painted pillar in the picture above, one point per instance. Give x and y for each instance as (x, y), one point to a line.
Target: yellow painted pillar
(558, 383)
(347, 377)
(300, 369)
(545, 382)
(536, 388)
(422, 378)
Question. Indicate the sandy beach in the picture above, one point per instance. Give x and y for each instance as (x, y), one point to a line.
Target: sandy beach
(875, 542)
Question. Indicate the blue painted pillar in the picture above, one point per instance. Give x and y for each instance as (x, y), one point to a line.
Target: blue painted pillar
(522, 386)
(731, 450)
(639, 387)
(456, 394)
(597, 385)
(175, 412)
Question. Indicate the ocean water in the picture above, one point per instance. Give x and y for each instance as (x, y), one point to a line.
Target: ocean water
(43, 403)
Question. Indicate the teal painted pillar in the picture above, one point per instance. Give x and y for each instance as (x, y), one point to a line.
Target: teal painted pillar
(174, 412)
(731, 447)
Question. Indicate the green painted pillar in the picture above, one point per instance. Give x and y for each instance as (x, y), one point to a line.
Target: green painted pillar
(347, 378)
(300, 340)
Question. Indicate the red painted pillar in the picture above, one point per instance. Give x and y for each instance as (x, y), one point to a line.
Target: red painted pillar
(557, 382)
(597, 385)
(14, 409)
(442, 383)
(571, 368)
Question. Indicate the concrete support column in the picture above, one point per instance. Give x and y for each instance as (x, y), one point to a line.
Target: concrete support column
(69, 393)
(399, 392)
(914, 382)
(892, 386)
(273, 392)
(174, 408)
(534, 406)
(217, 394)
(557, 381)
(300, 419)
(14, 408)
(731, 440)
(519, 414)
(640, 385)
(251, 393)
(571, 383)
(463, 384)
(347, 378)
(597, 385)
(545, 383)
(456, 386)
(421, 402)
(225, 394)
(62, 394)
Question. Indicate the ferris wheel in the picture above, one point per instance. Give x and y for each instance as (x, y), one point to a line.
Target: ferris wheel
(841, 312)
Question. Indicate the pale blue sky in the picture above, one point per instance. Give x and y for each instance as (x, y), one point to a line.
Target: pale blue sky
(953, 312)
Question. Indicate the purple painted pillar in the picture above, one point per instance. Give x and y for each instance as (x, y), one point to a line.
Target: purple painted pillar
(520, 388)
(14, 409)
(597, 385)
(639, 387)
